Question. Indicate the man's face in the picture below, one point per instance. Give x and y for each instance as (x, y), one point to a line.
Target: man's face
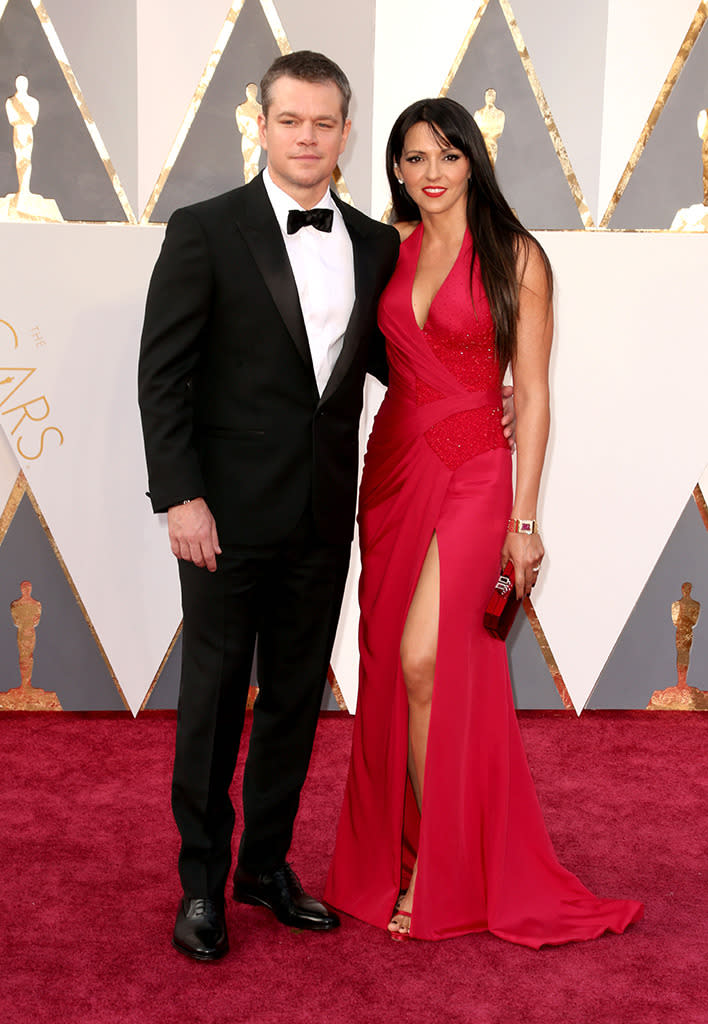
(304, 135)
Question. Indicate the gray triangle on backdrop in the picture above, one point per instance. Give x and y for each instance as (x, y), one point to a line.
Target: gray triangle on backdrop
(67, 660)
(97, 37)
(165, 692)
(329, 701)
(644, 657)
(669, 174)
(210, 160)
(307, 28)
(527, 168)
(531, 680)
(66, 165)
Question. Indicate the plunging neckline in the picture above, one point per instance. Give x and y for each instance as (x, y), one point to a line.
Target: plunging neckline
(434, 299)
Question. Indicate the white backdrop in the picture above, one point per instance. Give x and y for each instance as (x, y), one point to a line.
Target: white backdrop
(629, 438)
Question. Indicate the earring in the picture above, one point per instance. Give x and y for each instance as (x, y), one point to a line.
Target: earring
(399, 180)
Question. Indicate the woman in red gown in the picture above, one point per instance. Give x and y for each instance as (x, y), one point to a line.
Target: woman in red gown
(441, 832)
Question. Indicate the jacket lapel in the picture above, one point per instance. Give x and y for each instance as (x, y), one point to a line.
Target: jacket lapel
(256, 222)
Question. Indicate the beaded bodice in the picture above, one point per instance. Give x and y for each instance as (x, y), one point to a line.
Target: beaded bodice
(450, 363)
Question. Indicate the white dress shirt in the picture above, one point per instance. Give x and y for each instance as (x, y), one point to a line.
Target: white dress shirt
(323, 266)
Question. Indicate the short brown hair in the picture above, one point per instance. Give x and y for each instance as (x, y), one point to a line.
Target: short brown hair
(308, 66)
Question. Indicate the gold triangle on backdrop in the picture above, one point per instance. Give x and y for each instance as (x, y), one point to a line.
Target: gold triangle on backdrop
(700, 500)
(20, 488)
(682, 696)
(252, 691)
(675, 70)
(168, 652)
(12, 504)
(547, 653)
(199, 93)
(536, 88)
(331, 682)
(70, 78)
(276, 27)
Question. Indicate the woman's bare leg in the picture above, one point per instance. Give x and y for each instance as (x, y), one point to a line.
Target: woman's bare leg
(419, 646)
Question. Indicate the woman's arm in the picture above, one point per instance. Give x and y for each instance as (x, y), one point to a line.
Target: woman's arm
(531, 397)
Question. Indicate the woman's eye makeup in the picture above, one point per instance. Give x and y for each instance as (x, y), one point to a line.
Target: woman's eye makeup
(414, 158)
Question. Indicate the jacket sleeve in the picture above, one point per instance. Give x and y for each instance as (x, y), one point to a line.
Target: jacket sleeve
(377, 364)
(176, 313)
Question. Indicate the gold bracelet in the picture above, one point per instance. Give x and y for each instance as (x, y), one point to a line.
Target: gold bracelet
(522, 526)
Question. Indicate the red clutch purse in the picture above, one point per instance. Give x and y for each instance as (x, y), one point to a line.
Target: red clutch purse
(503, 604)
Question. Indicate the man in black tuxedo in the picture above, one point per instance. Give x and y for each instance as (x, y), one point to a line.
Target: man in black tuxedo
(259, 328)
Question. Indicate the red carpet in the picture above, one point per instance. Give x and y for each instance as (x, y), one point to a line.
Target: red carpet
(90, 889)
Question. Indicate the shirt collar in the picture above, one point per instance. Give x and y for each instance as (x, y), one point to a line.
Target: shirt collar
(282, 203)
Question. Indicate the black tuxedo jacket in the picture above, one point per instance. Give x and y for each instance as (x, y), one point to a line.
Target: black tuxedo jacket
(228, 397)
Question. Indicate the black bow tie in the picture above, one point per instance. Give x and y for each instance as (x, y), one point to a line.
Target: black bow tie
(317, 218)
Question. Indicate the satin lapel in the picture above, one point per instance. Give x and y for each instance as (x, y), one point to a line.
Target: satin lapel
(256, 222)
(363, 284)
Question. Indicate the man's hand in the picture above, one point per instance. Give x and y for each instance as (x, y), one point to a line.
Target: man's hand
(193, 535)
(509, 416)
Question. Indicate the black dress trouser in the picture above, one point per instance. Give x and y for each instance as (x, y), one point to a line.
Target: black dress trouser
(288, 594)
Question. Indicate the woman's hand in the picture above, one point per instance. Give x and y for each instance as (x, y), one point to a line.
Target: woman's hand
(526, 552)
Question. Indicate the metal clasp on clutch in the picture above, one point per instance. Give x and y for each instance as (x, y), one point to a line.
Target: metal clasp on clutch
(503, 585)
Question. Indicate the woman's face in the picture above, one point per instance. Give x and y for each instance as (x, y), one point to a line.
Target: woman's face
(435, 173)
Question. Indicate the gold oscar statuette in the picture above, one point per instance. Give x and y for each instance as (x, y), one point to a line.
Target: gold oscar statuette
(26, 612)
(490, 121)
(22, 112)
(684, 614)
(695, 218)
(247, 123)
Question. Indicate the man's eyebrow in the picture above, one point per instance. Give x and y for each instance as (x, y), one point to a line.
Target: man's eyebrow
(318, 117)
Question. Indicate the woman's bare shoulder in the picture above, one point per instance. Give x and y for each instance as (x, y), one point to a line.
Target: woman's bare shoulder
(533, 267)
(405, 228)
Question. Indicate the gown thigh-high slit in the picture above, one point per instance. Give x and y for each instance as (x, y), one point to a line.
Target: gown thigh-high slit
(419, 643)
(437, 463)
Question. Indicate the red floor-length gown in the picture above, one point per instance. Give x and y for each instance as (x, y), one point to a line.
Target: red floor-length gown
(437, 462)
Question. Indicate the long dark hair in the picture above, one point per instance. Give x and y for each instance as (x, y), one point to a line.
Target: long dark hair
(501, 243)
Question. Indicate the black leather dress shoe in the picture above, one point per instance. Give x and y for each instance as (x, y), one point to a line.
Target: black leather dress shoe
(200, 929)
(282, 893)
